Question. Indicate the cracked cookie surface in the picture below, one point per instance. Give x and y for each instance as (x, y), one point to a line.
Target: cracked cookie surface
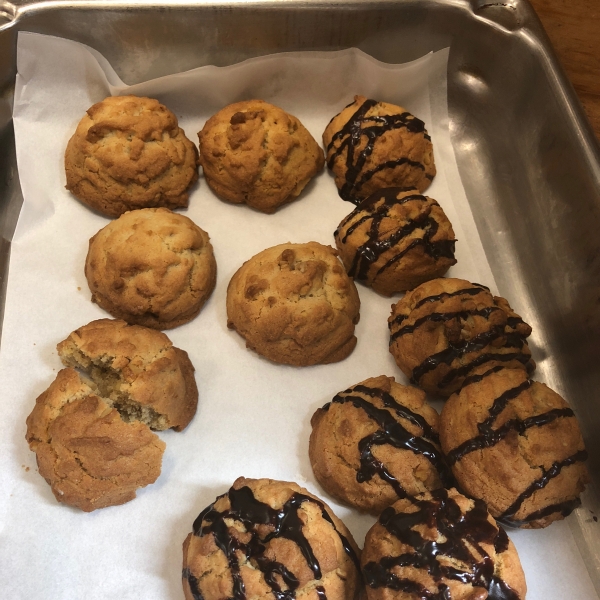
(295, 305)
(515, 444)
(138, 368)
(151, 267)
(395, 240)
(372, 145)
(266, 539)
(440, 545)
(88, 455)
(127, 153)
(445, 328)
(255, 153)
(376, 442)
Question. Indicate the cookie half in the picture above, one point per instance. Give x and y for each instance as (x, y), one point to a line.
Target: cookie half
(265, 539)
(515, 444)
(295, 305)
(255, 153)
(151, 267)
(127, 153)
(440, 545)
(90, 457)
(376, 442)
(372, 145)
(443, 330)
(395, 240)
(146, 378)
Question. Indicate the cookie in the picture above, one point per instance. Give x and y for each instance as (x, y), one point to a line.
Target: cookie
(151, 267)
(515, 444)
(372, 145)
(89, 456)
(395, 240)
(445, 328)
(295, 305)
(127, 153)
(255, 153)
(376, 442)
(266, 539)
(145, 377)
(440, 545)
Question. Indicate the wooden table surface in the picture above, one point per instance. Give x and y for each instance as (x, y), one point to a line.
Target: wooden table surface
(573, 26)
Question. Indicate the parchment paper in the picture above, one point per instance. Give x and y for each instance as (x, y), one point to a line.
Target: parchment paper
(253, 416)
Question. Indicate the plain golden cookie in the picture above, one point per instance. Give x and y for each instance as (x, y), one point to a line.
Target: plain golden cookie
(441, 546)
(89, 456)
(515, 444)
(295, 305)
(255, 153)
(151, 267)
(395, 240)
(443, 330)
(127, 153)
(376, 442)
(372, 145)
(268, 539)
(145, 377)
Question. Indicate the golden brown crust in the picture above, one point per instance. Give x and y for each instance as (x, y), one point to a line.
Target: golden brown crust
(128, 153)
(389, 147)
(445, 328)
(395, 240)
(295, 305)
(367, 448)
(138, 369)
(255, 153)
(151, 267)
(249, 517)
(440, 544)
(88, 455)
(515, 444)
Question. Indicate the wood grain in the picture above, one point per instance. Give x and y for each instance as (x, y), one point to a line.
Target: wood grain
(573, 27)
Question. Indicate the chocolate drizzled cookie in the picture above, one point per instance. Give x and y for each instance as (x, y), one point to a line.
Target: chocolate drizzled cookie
(395, 240)
(516, 444)
(266, 539)
(445, 328)
(376, 442)
(438, 546)
(372, 145)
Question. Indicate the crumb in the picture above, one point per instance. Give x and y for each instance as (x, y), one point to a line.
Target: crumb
(78, 288)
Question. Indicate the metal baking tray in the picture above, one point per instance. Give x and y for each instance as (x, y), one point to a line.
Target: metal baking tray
(528, 159)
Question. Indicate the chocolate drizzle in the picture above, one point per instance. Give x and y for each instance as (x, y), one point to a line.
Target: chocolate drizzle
(565, 508)
(462, 535)
(350, 137)
(369, 253)
(497, 339)
(392, 432)
(283, 523)
(488, 437)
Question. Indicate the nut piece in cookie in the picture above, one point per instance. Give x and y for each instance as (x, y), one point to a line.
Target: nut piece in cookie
(445, 328)
(266, 539)
(373, 145)
(255, 153)
(376, 442)
(295, 305)
(89, 455)
(146, 378)
(128, 153)
(395, 240)
(151, 267)
(515, 444)
(440, 545)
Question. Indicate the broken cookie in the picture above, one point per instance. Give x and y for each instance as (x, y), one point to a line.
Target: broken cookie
(138, 369)
(88, 454)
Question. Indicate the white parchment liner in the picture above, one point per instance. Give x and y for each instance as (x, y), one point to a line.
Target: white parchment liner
(253, 416)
